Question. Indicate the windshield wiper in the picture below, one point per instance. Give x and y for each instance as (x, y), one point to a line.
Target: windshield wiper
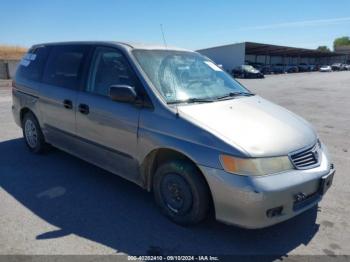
(191, 100)
(234, 94)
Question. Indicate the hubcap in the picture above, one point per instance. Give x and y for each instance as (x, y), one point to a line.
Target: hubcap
(176, 193)
(31, 133)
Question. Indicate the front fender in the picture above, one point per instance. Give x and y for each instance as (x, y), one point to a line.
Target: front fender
(161, 129)
(199, 154)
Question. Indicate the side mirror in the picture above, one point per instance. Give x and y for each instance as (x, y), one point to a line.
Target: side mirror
(122, 93)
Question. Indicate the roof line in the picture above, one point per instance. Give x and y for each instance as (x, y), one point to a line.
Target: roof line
(219, 46)
(261, 45)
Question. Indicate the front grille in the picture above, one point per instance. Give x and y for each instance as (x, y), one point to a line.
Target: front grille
(306, 158)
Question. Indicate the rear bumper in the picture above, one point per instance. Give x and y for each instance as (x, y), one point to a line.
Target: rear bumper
(244, 201)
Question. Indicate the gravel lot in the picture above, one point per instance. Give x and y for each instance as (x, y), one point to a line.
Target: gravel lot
(58, 204)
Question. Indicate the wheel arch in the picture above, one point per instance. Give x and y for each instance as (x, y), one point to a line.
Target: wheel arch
(23, 112)
(159, 156)
(154, 159)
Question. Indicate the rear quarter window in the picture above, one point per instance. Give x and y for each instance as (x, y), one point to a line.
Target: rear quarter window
(32, 64)
(64, 66)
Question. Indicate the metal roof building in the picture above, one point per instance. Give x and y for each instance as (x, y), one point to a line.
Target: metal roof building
(344, 50)
(237, 54)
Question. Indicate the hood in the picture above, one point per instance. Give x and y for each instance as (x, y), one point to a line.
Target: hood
(252, 124)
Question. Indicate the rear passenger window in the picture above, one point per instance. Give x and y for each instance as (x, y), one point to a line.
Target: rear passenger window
(32, 64)
(64, 66)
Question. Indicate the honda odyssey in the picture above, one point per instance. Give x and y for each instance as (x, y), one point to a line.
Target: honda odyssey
(173, 122)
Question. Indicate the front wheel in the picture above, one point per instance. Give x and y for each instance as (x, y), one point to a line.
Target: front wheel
(181, 192)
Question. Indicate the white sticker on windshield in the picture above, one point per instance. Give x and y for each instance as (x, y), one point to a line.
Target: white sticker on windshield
(213, 66)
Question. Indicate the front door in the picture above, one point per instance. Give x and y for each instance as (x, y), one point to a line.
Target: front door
(108, 129)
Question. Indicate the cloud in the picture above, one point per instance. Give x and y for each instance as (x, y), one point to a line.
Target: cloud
(320, 22)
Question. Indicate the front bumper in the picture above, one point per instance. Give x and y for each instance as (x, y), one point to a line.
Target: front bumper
(244, 201)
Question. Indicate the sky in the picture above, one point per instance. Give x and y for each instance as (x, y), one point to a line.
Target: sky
(191, 24)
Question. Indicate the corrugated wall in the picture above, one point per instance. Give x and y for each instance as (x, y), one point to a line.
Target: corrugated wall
(228, 56)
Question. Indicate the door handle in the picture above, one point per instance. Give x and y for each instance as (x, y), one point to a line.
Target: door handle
(84, 109)
(67, 104)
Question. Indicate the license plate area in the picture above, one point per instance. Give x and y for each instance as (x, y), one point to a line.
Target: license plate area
(326, 182)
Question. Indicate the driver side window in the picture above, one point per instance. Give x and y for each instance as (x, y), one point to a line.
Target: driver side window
(109, 68)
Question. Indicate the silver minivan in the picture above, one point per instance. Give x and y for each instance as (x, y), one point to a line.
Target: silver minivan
(173, 122)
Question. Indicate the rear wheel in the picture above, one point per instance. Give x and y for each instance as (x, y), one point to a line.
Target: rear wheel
(32, 134)
(181, 192)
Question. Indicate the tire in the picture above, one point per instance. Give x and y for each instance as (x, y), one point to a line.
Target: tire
(33, 135)
(181, 192)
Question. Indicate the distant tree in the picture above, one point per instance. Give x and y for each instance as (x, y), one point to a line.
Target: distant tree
(341, 41)
(323, 48)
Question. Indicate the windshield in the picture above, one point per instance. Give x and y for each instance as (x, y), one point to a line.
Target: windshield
(249, 68)
(186, 76)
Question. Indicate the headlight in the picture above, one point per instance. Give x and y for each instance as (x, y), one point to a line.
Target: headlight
(255, 166)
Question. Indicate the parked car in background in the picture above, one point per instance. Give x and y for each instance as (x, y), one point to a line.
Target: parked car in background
(347, 67)
(344, 67)
(265, 69)
(313, 67)
(277, 69)
(291, 69)
(281, 68)
(174, 123)
(246, 71)
(338, 67)
(325, 68)
(303, 67)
